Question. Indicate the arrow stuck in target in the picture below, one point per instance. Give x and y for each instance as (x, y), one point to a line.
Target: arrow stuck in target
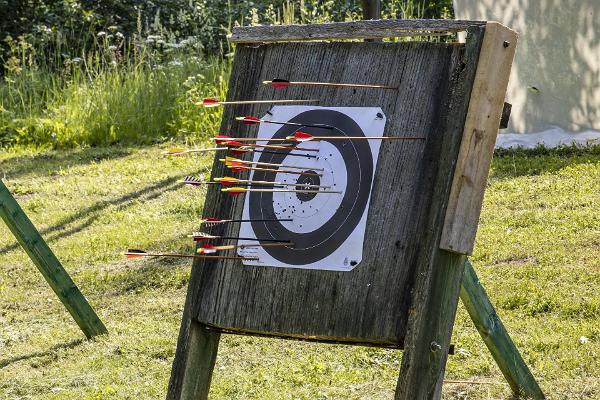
(135, 253)
(212, 102)
(229, 180)
(239, 167)
(201, 236)
(235, 191)
(283, 83)
(210, 249)
(232, 160)
(250, 120)
(229, 141)
(306, 137)
(210, 221)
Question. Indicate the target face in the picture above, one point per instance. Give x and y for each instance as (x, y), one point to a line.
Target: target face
(327, 229)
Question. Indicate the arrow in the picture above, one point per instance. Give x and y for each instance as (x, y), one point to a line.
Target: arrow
(212, 102)
(283, 83)
(193, 181)
(200, 236)
(305, 137)
(229, 141)
(228, 180)
(231, 160)
(209, 221)
(177, 151)
(134, 253)
(210, 249)
(249, 120)
(235, 191)
(244, 149)
(239, 167)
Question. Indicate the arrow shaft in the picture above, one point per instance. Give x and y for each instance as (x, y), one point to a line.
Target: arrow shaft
(283, 171)
(197, 238)
(282, 184)
(192, 256)
(365, 138)
(284, 191)
(267, 101)
(357, 85)
(247, 220)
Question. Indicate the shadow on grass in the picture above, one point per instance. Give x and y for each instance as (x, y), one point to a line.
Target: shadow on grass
(86, 216)
(51, 351)
(51, 160)
(541, 160)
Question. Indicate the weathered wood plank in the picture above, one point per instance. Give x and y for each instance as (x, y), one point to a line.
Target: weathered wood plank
(369, 304)
(438, 273)
(495, 336)
(370, 29)
(200, 361)
(479, 138)
(49, 266)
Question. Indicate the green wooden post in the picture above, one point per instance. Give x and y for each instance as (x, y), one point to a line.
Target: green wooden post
(496, 338)
(45, 260)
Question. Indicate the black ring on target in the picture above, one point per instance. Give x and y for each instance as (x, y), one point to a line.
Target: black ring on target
(358, 159)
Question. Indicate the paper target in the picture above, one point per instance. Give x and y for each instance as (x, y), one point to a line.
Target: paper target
(327, 229)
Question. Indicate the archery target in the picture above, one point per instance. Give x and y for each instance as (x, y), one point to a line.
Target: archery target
(327, 229)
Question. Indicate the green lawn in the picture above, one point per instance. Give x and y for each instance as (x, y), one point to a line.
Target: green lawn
(537, 253)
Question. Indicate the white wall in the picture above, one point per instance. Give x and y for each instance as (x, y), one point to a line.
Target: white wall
(558, 53)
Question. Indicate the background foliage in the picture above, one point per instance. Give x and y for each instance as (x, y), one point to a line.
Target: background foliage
(91, 72)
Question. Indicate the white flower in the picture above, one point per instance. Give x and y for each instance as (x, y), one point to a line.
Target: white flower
(101, 34)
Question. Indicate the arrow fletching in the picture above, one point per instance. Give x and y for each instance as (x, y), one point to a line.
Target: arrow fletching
(134, 253)
(191, 180)
(248, 120)
(210, 102)
(301, 137)
(278, 83)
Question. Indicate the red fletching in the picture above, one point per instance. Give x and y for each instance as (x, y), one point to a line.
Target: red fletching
(249, 120)
(211, 219)
(227, 183)
(222, 139)
(239, 152)
(234, 193)
(237, 166)
(233, 143)
(279, 83)
(134, 253)
(210, 101)
(303, 136)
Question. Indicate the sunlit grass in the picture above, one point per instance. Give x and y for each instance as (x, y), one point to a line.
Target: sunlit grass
(537, 254)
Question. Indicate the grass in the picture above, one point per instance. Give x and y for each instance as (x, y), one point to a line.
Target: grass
(537, 253)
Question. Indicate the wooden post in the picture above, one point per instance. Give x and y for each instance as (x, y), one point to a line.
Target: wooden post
(47, 263)
(496, 338)
(371, 9)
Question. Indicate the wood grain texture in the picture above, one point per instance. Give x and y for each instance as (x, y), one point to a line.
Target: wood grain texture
(370, 303)
(202, 353)
(49, 266)
(438, 273)
(495, 336)
(371, 29)
(479, 138)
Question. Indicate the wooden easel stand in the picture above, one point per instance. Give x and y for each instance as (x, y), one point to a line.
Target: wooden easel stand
(47, 263)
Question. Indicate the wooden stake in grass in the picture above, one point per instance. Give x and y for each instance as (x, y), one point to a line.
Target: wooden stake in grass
(212, 102)
(284, 83)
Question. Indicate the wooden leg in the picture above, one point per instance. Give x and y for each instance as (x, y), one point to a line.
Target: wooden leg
(496, 337)
(194, 362)
(49, 266)
(426, 344)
